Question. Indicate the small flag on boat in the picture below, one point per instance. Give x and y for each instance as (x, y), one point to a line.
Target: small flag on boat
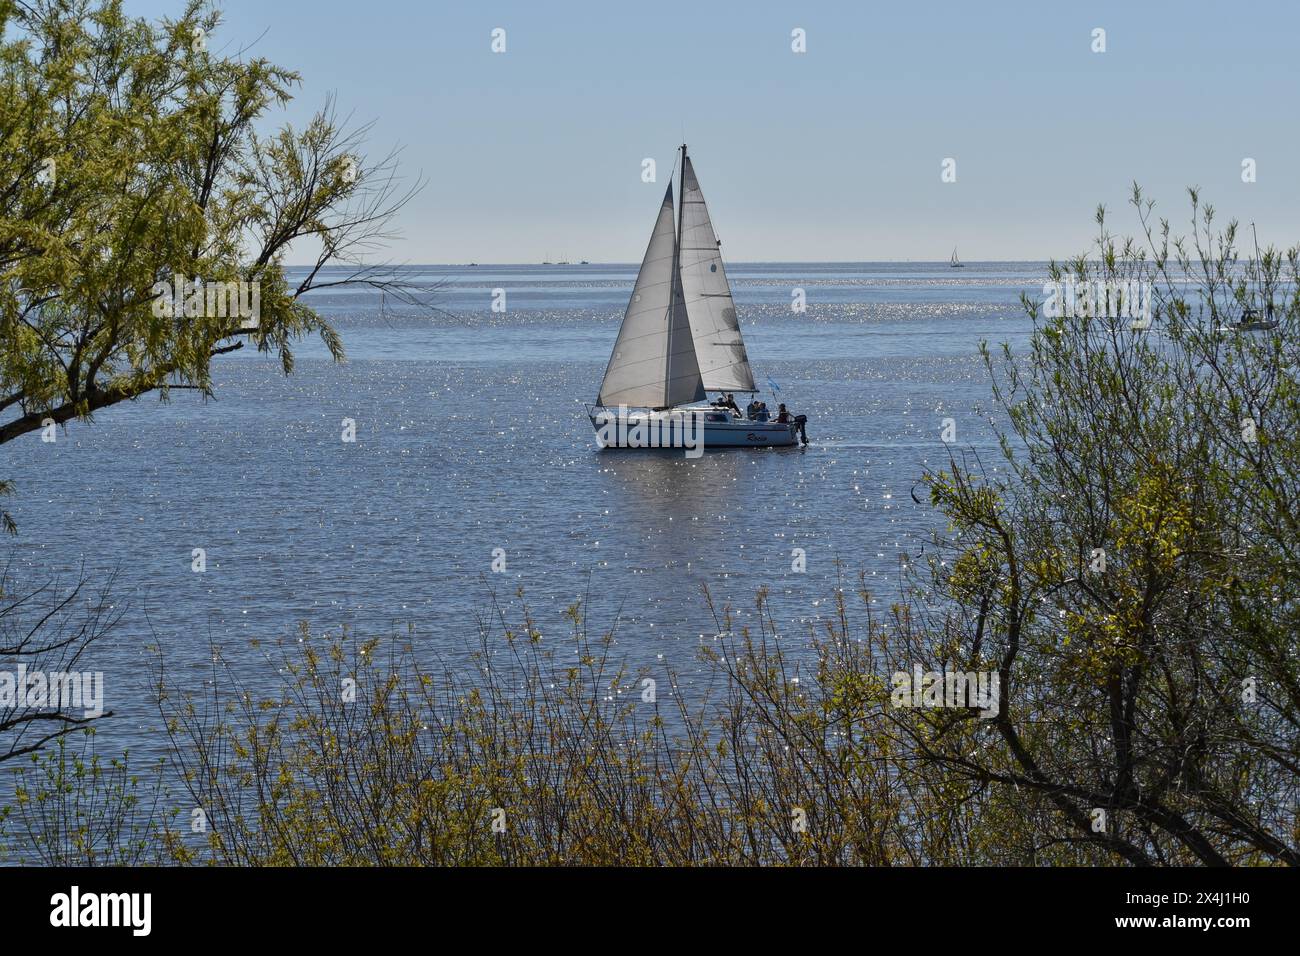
(773, 386)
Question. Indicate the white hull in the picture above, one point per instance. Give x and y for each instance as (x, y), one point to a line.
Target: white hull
(680, 427)
(745, 434)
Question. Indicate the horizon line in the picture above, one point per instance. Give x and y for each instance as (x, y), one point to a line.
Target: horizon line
(751, 262)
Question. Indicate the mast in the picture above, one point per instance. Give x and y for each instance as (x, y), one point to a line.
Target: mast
(1261, 279)
(677, 278)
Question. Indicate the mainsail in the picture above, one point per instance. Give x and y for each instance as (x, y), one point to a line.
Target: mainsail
(719, 348)
(654, 364)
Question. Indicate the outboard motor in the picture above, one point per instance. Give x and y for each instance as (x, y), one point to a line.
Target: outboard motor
(801, 421)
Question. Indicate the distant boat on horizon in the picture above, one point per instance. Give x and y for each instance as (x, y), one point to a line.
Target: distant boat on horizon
(954, 262)
(1250, 321)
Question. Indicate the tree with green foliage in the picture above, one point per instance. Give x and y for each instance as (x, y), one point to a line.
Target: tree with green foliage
(1130, 572)
(136, 180)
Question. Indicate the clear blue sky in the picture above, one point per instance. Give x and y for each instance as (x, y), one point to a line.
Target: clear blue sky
(832, 154)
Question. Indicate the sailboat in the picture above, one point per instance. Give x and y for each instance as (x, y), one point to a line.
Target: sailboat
(1250, 320)
(954, 262)
(680, 339)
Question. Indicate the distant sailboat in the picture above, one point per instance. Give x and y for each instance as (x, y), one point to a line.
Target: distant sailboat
(954, 262)
(1250, 320)
(679, 340)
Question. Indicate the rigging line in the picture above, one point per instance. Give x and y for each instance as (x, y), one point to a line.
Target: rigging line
(672, 172)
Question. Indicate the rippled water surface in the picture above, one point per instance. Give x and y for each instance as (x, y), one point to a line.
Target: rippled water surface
(471, 437)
